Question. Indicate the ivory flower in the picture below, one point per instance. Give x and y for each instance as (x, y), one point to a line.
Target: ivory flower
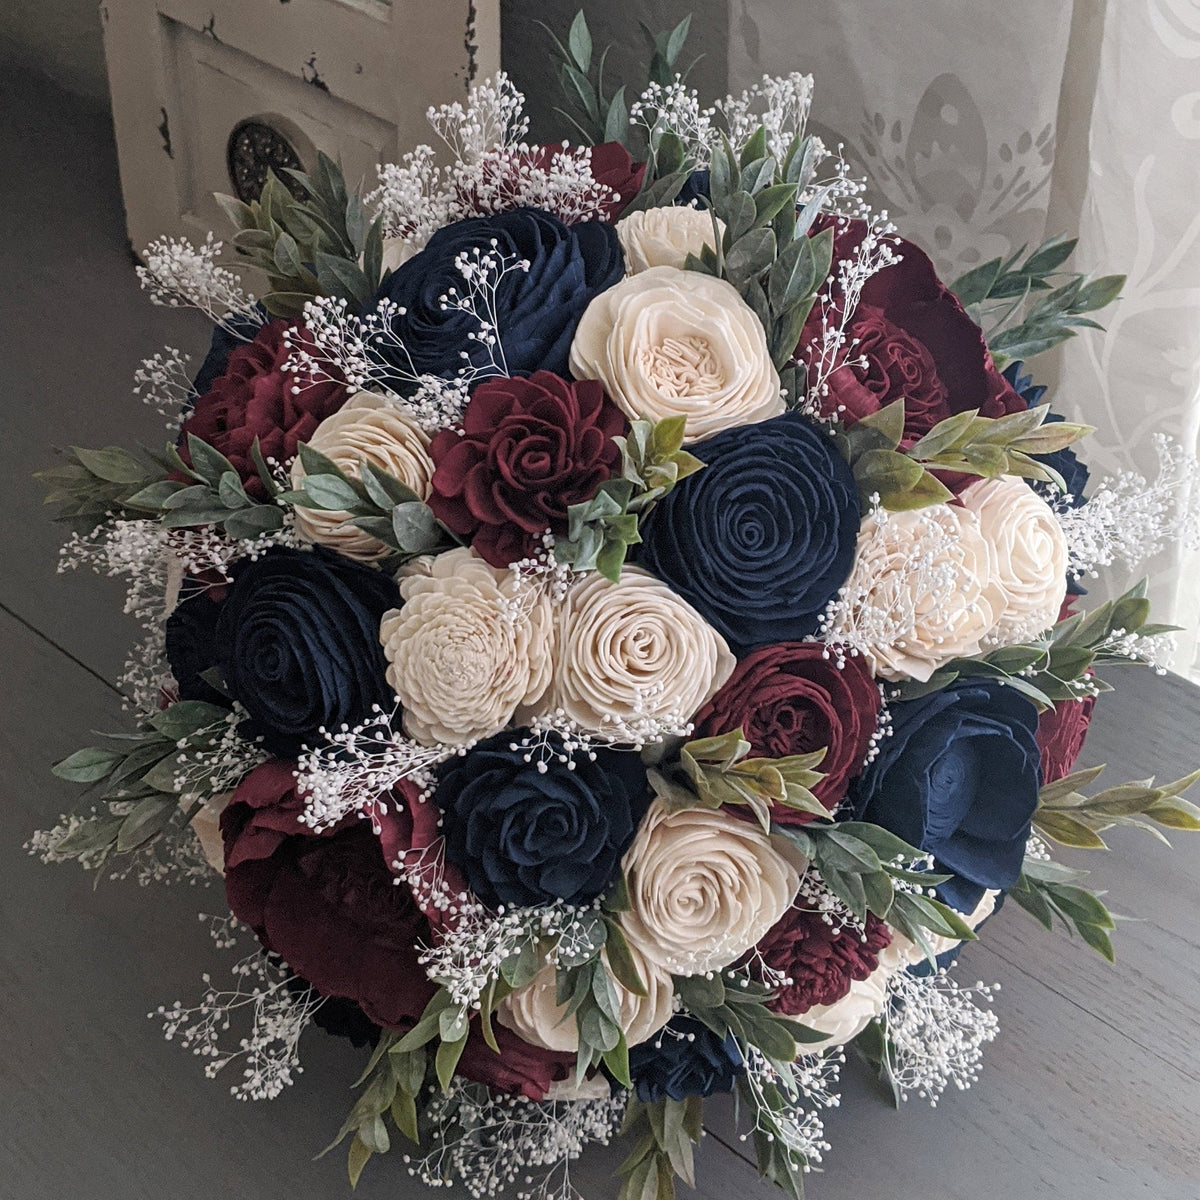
(206, 825)
(633, 652)
(921, 591)
(533, 1013)
(667, 342)
(664, 237)
(704, 888)
(463, 650)
(366, 428)
(1030, 553)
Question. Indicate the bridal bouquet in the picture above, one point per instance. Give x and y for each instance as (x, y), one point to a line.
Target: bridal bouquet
(611, 632)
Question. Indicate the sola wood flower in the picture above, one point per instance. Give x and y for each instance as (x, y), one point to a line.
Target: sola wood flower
(465, 650)
(664, 237)
(703, 888)
(667, 342)
(632, 655)
(366, 429)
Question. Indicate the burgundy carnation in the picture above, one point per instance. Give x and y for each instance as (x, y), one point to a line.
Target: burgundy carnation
(519, 1068)
(254, 398)
(820, 963)
(1060, 735)
(788, 698)
(327, 903)
(917, 342)
(528, 450)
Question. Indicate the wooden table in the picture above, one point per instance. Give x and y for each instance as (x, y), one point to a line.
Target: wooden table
(1091, 1091)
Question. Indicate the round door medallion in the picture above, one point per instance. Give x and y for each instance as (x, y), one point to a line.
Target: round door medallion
(254, 149)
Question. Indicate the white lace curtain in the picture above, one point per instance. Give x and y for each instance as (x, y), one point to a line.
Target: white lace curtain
(985, 125)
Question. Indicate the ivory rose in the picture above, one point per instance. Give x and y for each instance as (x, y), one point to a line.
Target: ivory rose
(534, 1014)
(462, 655)
(666, 342)
(664, 237)
(921, 591)
(633, 650)
(369, 429)
(1030, 553)
(703, 888)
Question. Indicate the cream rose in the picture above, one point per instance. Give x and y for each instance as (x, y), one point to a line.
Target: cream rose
(633, 651)
(532, 1012)
(704, 887)
(921, 591)
(463, 653)
(664, 237)
(206, 825)
(367, 427)
(1030, 553)
(667, 342)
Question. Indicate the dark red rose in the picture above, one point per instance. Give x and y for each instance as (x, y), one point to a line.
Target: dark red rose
(519, 1068)
(327, 903)
(789, 699)
(820, 963)
(612, 166)
(909, 338)
(1060, 735)
(528, 450)
(256, 398)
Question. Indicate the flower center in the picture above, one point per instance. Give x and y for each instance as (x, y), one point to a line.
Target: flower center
(683, 366)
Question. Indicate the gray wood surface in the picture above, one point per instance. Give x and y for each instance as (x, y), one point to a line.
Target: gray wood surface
(1091, 1092)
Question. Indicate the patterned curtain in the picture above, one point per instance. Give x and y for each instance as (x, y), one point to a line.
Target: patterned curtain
(983, 127)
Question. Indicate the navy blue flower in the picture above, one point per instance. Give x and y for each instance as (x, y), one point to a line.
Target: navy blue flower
(762, 538)
(523, 836)
(191, 646)
(959, 778)
(684, 1059)
(297, 641)
(535, 310)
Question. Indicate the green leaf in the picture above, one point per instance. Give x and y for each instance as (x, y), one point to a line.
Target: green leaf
(975, 285)
(207, 461)
(579, 42)
(446, 1059)
(111, 464)
(87, 766)
(356, 1159)
(146, 821)
(1067, 830)
(750, 255)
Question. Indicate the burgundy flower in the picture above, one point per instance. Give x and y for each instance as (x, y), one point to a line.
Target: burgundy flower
(528, 450)
(519, 1068)
(1060, 735)
(909, 338)
(820, 963)
(327, 903)
(255, 397)
(789, 699)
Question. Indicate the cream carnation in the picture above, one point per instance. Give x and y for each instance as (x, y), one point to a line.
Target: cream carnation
(704, 887)
(533, 1013)
(667, 342)
(464, 650)
(633, 655)
(366, 428)
(1030, 553)
(921, 592)
(664, 237)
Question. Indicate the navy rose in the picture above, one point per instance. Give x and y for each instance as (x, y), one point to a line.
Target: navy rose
(959, 778)
(524, 836)
(685, 1059)
(535, 310)
(191, 647)
(297, 641)
(762, 538)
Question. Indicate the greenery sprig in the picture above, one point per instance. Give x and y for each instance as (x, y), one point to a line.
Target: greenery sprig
(133, 788)
(862, 864)
(717, 772)
(665, 1134)
(1048, 889)
(598, 117)
(766, 250)
(94, 485)
(1071, 818)
(601, 530)
(310, 244)
(1060, 664)
(997, 295)
(965, 443)
(376, 502)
